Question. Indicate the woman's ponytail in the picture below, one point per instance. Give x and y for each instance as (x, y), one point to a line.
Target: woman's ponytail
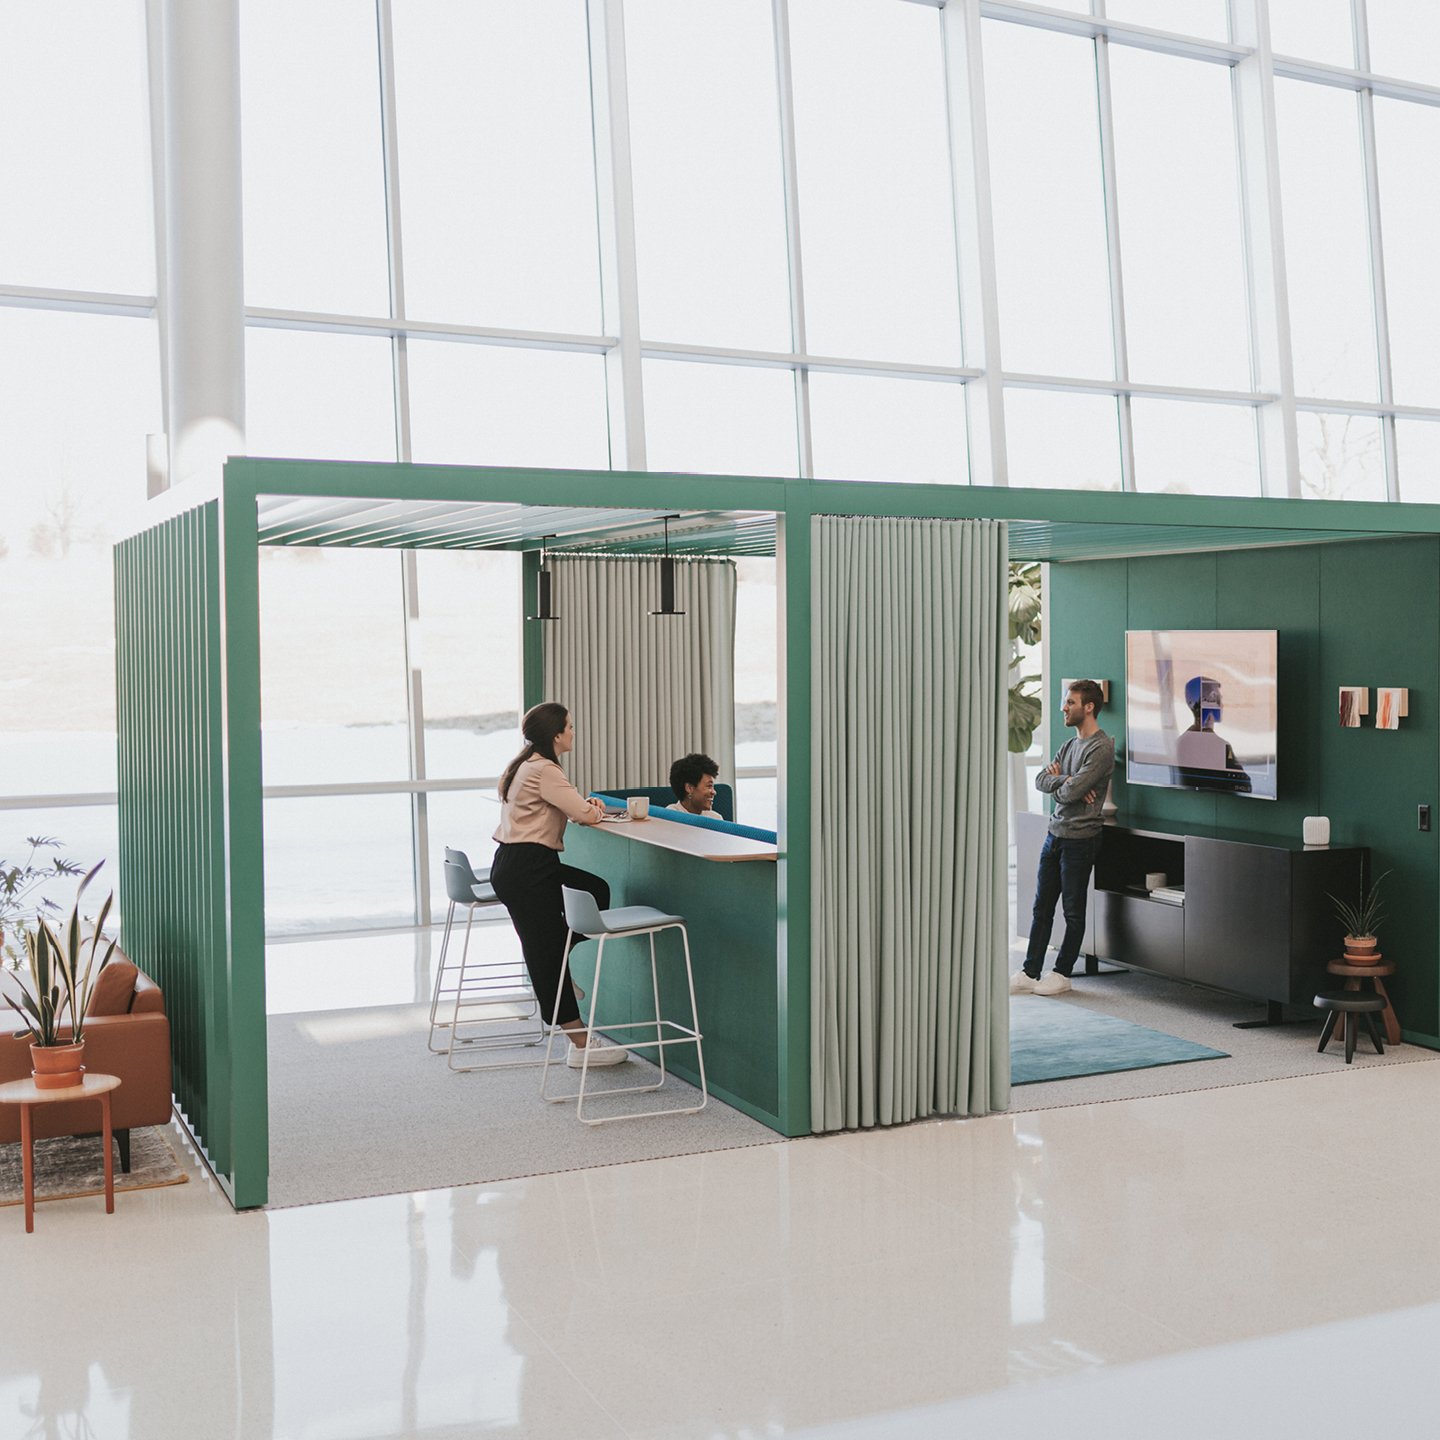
(541, 725)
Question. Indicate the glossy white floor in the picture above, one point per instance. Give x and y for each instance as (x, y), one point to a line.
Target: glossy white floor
(1253, 1261)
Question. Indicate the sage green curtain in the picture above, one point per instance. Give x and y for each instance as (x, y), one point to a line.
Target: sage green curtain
(909, 1002)
(643, 689)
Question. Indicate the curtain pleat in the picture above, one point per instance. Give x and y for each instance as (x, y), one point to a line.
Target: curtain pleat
(643, 689)
(908, 1009)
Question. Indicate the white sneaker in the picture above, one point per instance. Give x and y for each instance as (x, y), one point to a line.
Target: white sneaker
(1052, 984)
(602, 1052)
(1022, 984)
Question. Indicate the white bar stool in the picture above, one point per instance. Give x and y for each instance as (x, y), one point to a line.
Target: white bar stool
(586, 918)
(499, 990)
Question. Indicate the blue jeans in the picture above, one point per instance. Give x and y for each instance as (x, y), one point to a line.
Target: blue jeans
(1064, 874)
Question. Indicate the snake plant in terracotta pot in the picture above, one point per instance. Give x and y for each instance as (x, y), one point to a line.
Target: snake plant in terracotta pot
(55, 989)
(1362, 945)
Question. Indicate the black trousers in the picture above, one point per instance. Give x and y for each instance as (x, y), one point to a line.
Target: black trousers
(527, 881)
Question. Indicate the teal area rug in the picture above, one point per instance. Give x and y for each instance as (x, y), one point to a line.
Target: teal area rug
(1051, 1039)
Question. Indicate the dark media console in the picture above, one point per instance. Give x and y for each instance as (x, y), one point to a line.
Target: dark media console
(1257, 920)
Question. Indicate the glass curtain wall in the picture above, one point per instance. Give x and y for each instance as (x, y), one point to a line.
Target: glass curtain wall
(768, 265)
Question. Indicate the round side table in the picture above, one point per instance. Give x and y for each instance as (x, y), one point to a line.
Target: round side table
(26, 1094)
(1354, 974)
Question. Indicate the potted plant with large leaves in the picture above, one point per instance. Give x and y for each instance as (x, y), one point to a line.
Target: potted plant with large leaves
(55, 990)
(1025, 710)
(1362, 945)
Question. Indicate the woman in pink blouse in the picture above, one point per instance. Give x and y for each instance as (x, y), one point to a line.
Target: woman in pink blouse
(536, 800)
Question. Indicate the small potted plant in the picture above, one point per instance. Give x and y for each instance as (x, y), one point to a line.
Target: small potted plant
(55, 990)
(1362, 946)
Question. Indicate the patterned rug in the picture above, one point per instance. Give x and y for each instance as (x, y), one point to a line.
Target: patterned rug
(71, 1165)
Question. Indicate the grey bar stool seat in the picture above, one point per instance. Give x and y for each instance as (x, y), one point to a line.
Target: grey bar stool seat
(491, 998)
(585, 917)
(1351, 1002)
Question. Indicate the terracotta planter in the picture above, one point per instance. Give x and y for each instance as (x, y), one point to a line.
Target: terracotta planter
(1362, 949)
(57, 1067)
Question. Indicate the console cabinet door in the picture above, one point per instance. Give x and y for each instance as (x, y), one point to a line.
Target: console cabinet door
(1237, 917)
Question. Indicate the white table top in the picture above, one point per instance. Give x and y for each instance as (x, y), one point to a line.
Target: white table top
(697, 840)
(27, 1092)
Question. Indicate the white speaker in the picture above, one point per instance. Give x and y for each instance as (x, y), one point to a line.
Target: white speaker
(1317, 830)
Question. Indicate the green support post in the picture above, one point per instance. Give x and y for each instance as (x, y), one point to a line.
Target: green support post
(244, 1020)
(532, 637)
(793, 889)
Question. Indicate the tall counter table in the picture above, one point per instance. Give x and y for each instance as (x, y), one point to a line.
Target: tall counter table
(724, 887)
(1258, 918)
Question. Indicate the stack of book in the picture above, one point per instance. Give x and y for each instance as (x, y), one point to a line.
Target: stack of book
(1170, 894)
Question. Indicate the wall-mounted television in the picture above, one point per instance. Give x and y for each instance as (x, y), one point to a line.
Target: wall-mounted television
(1200, 710)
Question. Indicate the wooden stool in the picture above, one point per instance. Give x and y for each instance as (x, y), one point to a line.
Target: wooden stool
(1350, 1002)
(1354, 974)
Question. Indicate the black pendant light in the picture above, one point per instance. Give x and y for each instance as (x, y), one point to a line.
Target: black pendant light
(542, 587)
(667, 576)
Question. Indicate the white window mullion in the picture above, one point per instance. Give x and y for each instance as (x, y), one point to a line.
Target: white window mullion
(1271, 362)
(1377, 256)
(409, 572)
(615, 198)
(790, 168)
(975, 240)
(1106, 115)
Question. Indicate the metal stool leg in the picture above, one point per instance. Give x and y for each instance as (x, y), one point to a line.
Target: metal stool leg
(695, 1020)
(655, 990)
(555, 1024)
(1328, 1031)
(1350, 1030)
(590, 1030)
(459, 987)
(440, 975)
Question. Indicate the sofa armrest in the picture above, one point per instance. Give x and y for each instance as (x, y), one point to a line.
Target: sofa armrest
(149, 998)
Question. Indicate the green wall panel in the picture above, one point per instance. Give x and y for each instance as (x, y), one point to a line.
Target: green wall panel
(1334, 608)
(1280, 590)
(172, 851)
(1168, 593)
(1373, 780)
(1086, 621)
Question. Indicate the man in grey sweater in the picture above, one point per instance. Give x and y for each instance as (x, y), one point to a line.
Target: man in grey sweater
(1078, 778)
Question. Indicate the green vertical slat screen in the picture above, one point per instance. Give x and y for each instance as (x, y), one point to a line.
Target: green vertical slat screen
(172, 876)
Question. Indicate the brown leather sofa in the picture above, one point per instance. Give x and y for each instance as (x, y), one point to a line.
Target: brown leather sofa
(126, 1034)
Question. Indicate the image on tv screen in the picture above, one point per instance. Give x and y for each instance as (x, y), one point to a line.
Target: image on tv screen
(1200, 710)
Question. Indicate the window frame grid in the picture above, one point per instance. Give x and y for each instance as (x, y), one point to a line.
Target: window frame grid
(626, 348)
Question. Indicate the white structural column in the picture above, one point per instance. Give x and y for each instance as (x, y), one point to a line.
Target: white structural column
(619, 285)
(1271, 365)
(975, 240)
(202, 284)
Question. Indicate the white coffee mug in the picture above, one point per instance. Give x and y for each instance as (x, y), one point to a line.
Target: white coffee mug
(639, 807)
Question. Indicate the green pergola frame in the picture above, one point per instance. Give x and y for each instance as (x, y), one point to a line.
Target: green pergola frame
(188, 701)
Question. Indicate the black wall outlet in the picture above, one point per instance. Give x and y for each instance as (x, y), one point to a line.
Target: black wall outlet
(1424, 817)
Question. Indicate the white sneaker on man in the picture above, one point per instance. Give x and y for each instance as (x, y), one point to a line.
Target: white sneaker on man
(602, 1052)
(1052, 984)
(1021, 984)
